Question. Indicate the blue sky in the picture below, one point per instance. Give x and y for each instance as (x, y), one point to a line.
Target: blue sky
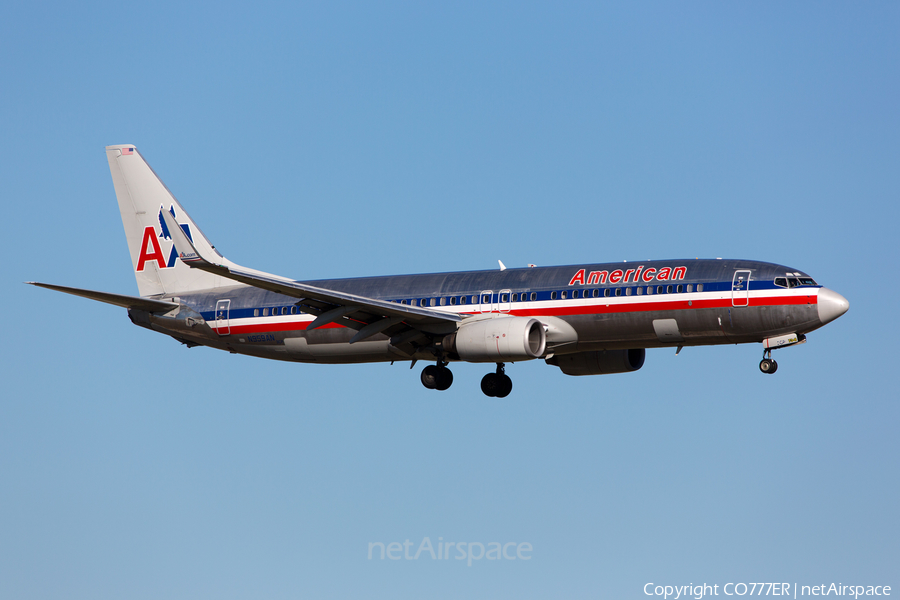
(337, 141)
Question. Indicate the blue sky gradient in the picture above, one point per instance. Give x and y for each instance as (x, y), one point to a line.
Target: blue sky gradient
(337, 141)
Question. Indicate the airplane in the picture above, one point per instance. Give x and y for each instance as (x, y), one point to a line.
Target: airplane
(585, 319)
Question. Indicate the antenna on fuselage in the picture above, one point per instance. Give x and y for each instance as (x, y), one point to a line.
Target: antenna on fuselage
(502, 266)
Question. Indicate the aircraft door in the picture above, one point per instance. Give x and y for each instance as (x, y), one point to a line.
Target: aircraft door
(487, 301)
(222, 309)
(504, 305)
(740, 288)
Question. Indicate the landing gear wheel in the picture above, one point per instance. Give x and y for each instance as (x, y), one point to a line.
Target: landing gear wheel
(444, 379)
(430, 375)
(490, 384)
(505, 386)
(496, 385)
(768, 366)
(436, 377)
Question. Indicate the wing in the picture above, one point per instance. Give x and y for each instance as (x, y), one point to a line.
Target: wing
(368, 316)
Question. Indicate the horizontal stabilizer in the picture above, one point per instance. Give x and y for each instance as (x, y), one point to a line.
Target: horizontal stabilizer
(116, 299)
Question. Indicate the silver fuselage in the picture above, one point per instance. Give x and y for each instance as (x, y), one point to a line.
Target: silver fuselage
(587, 307)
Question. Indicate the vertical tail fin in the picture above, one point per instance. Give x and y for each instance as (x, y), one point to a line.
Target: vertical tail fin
(142, 196)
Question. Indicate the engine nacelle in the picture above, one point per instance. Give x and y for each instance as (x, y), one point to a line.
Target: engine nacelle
(600, 362)
(500, 339)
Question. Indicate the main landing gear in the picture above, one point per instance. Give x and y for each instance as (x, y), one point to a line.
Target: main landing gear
(497, 385)
(767, 364)
(437, 377)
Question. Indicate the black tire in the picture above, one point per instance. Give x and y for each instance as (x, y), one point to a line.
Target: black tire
(490, 384)
(444, 379)
(767, 366)
(430, 375)
(505, 386)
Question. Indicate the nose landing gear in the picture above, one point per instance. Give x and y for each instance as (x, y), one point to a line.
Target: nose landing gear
(497, 385)
(437, 377)
(767, 364)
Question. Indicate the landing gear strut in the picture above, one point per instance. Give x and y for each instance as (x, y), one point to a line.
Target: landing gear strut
(437, 377)
(767, 364)
(497, 385)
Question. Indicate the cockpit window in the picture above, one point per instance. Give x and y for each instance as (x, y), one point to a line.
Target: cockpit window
(792, 282)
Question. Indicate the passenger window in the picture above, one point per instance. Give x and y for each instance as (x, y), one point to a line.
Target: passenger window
(669, 289)
(640, 291)
(649, 290)
(618, 291)
(596, 293)
(265, 312)
(504, 297)
(627, 291)
(443, 301)
(452, 300)
(474, 299)
(690, 288)
(564, 294)
(606, 293)
(699, 287)
(533, 296)
(660, 289)
(553, 295)
(432, 302)
(255, 312)
(462, 299)
(680, 288)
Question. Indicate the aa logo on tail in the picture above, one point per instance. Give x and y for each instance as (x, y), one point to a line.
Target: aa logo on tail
(150, 248)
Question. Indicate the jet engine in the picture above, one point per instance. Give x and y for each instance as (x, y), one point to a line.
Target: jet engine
(600, 362)
(502, 339)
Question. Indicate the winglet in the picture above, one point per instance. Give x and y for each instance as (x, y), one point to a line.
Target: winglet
(186, 250)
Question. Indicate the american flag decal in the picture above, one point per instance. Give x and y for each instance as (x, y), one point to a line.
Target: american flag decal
(127, 151)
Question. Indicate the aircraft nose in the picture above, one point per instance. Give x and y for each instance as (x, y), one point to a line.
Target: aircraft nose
(831, 305)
